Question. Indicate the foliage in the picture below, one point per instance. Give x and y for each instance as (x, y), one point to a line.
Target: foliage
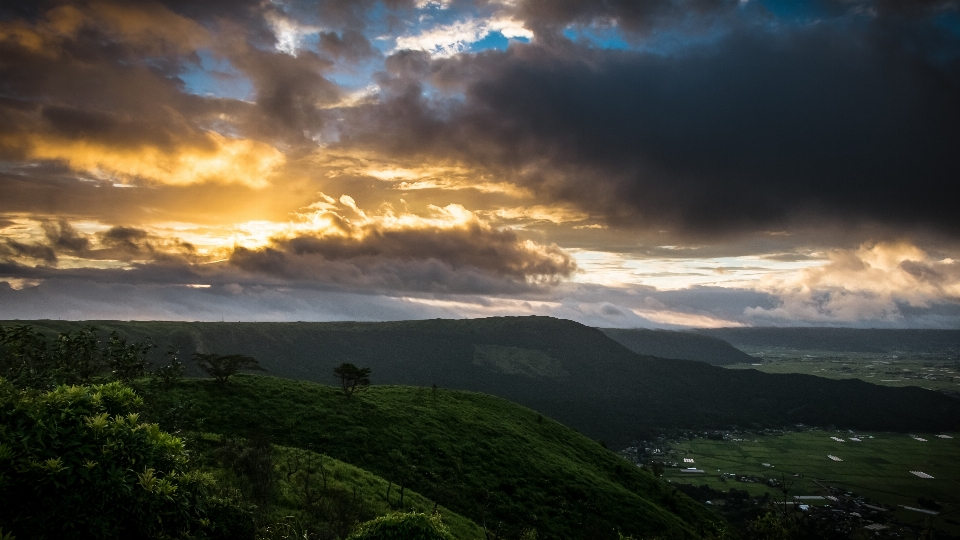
(79, 463)
(29, 359)
(352, 378)
(222, 366)
(403, 526)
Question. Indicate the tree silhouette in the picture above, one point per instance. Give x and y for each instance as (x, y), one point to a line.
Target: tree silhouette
(352, 378)
(221, 367)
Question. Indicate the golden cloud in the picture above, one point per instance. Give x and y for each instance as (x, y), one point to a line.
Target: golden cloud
(215, 159)
(148, 25)
(413, 175)
(449, 249)
(552, 214)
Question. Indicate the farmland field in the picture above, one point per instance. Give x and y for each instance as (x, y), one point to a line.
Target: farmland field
(878, 467)
(933, 371)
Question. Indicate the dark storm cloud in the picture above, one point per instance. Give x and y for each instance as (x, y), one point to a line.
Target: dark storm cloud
(351, 45)
(131, 243)
(468, 259)
(630, 16)
(33, 250)
(839, 121)
(62, 236)
(635, 18)
(289, 90)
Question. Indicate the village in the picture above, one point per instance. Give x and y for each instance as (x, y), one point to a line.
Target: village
(737, 473)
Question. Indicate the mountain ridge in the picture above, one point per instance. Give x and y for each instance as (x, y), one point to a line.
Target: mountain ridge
(563, 369)
(681, 345)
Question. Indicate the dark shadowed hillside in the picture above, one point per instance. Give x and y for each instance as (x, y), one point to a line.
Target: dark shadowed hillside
(681, 345)
(484, 457)
(568, 371)
(841, 339)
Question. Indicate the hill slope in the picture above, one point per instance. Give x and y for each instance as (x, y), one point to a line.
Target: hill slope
(566, 370)
(680, 345)
(483, 457)
(304, 491)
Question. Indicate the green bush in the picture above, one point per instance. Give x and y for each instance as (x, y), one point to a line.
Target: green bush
(403, 526)
(76, 462)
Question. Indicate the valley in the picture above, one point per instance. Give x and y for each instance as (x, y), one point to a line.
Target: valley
(866, 477)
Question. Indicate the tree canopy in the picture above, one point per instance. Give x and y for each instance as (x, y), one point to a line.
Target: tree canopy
(352, 378)
(77, 462)
(30, 359)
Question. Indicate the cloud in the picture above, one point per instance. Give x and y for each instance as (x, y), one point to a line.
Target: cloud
(873, 282)
(539, 212)
(450, 39)
(452, 250)
(660, 142)
(34, 250)
(214, 158)
(350, 45)
(761, 128)
(96, 88)
(149, 27)
(633, 17)
(334, 244)
(64, 237)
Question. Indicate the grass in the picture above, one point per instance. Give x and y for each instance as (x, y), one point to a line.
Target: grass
(483, 457)
(877, 469)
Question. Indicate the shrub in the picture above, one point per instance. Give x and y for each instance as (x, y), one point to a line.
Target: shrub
(76, 462)
(403, 526)
(222, 366)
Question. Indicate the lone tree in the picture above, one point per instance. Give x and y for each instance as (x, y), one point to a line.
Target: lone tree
(352, 378)
(222, 366)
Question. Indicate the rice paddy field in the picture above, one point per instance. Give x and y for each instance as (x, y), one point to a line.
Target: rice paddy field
(892, 469)
(933, 371)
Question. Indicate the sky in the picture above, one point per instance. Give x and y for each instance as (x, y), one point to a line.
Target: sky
(644, 163)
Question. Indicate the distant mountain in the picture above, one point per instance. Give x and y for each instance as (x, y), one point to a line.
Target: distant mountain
(567, 371)
(841, 339)
(681, 345)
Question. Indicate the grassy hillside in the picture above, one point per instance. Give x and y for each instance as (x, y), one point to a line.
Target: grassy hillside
(681, 345)
(563, 369)
(308, 484)
(486, 458)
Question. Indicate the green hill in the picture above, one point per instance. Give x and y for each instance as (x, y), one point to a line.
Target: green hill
(308, 485)
(497, 463)
(680, 345)
(563, 369)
